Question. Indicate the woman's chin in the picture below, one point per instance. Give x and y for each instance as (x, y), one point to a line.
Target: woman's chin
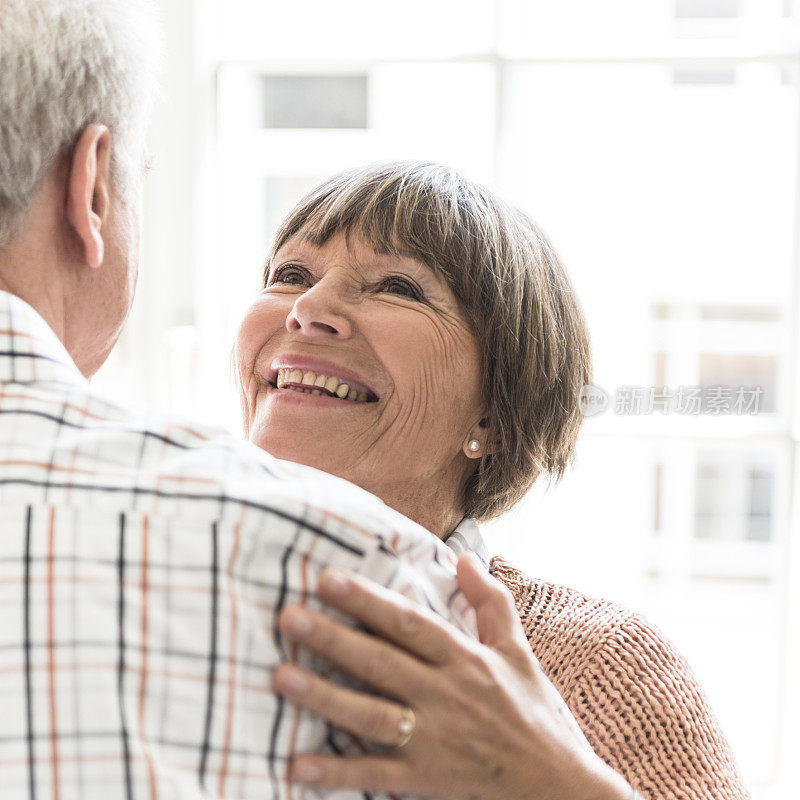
(290, 449)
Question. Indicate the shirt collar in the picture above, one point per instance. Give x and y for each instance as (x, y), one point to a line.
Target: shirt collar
(467, 537)
(30, 352)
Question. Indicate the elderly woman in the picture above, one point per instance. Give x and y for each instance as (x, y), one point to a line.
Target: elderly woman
(418, 337)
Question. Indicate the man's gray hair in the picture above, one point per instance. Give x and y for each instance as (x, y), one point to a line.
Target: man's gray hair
(64, 65)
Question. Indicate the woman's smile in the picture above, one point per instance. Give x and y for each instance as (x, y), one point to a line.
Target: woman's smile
(315, 397)
(318, 378)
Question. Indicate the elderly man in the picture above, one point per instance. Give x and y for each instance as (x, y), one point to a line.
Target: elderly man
(142, 563)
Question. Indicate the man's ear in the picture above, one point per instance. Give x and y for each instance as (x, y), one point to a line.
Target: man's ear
(88, 191)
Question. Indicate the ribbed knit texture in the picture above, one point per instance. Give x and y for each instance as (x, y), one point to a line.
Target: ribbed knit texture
(632, 693)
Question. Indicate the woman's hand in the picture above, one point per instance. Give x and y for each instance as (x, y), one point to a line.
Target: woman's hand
(489, 724)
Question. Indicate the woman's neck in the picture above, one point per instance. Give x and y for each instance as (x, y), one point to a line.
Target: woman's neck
(437, 514)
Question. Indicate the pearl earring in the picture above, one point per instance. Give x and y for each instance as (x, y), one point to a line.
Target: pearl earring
(474, 445)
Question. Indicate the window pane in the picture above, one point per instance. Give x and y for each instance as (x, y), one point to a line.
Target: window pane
(733, 496)
(710, 508)
(706, 9)
(715, 313)
(703, 77)
(760, 527)
(742, 371)
(315, 101)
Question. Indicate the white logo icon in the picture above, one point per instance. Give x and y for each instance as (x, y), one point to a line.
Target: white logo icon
(593, 400)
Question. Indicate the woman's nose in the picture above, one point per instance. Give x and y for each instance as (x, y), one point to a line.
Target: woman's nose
(320, 311)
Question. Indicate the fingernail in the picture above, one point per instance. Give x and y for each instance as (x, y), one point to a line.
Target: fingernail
(306, 771)
(334, 582)
(298, 621)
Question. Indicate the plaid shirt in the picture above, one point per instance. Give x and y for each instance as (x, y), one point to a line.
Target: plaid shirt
(142, 563)
(467, 537)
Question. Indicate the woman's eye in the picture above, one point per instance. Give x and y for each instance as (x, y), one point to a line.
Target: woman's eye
(401, 287)
(289, 276)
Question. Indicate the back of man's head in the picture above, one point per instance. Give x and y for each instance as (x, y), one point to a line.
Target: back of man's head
(66, 64)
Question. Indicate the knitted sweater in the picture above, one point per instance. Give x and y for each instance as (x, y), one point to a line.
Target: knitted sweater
(633, 695)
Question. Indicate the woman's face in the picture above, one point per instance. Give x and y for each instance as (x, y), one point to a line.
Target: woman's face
(391, 330)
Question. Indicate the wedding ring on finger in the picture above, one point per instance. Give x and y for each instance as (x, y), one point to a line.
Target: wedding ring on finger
(405, 728)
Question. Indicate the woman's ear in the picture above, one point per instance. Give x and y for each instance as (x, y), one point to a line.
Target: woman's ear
(88, 191)
(481, 441)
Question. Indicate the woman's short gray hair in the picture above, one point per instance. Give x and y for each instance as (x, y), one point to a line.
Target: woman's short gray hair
(513, 289)
(65, 64)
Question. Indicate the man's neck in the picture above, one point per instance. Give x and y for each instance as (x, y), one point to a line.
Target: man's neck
(27, 280)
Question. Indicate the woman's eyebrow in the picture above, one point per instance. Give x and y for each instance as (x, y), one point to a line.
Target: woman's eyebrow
(390, 261)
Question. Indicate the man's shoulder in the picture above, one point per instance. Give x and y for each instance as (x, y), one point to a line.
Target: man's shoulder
(73, 442)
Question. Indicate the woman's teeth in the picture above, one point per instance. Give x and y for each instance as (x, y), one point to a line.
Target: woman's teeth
(319, 384)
